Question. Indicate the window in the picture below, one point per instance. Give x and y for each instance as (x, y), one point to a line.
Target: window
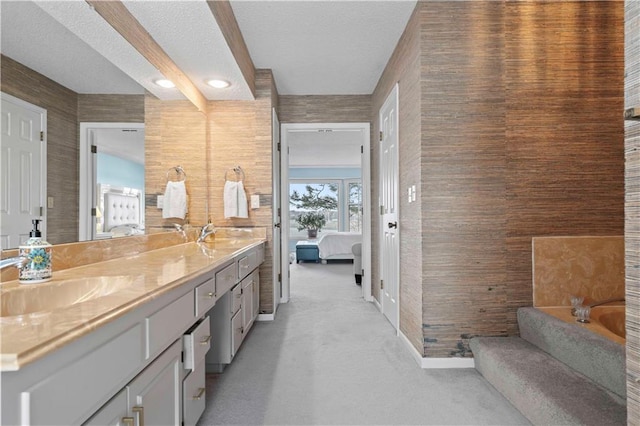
(354, 189)
(308, 196)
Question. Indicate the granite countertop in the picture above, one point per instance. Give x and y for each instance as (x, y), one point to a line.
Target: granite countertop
(79, 300)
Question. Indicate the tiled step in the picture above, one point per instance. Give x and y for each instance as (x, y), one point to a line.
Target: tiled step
(545, 390)
(597, 357)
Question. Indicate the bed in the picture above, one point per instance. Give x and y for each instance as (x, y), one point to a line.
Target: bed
(122, 212)
(337, 245)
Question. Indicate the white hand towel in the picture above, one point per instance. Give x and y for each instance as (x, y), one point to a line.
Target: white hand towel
(230, 199)
(243, 204)
(175, 200)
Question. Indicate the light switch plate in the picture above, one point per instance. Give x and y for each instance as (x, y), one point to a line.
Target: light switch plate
(409, 193)
(160, 201)
(255, 201)
(49, 202)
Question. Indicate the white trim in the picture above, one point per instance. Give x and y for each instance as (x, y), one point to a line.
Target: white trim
(276, 246)
(43, 154)
(365, 130)
(434, 363)
(377, 304)
(87, 175)
(266, 317)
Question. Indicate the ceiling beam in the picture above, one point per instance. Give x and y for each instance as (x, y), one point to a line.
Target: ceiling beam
(119, 17)
(226, 19)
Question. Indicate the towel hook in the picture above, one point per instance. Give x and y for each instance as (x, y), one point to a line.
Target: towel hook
(181, 174)
(238, 172)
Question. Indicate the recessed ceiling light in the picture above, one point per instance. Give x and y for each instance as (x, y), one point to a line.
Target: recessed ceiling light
(167, 84)
(218, 84)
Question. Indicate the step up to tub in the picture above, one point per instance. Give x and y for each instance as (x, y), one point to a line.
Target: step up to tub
(597, 357)
(545, 390)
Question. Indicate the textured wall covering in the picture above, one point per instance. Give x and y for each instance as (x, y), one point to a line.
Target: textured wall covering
(240, 133)
(111, 108)
(325, 109)
(175, 134)
(632, 209)
(62, 143)
(403, 68)
(521, 136)
(463, 174)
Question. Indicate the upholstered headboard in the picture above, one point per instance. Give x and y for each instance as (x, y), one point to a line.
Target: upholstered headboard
(121, 209)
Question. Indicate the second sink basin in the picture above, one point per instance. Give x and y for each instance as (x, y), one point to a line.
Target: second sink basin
(33, 298)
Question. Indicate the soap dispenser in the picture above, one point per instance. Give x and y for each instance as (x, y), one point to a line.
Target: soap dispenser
(38, 251)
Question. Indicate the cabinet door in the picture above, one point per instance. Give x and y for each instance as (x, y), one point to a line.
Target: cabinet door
(113, 413)
(247, 303)
(154, 395)
(256, 294)
(236, 332)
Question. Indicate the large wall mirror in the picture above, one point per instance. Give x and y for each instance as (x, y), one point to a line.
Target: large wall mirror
(86, 100)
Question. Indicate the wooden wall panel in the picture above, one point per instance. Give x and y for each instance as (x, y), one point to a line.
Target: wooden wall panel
(111, 108)
(226, 19)
(62, 143)
(564, 129)
(463, 174)
(632, 209)
(240, 134)
(325, 109)
(175, 134)
(403, 68)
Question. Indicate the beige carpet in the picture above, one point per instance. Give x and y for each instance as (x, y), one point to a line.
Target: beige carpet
(332, 358)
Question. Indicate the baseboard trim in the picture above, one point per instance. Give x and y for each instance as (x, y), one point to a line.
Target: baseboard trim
(266, 317)
(377, 304)
(436, 362)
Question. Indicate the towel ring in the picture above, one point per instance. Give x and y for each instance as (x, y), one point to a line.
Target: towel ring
(238, 172)
(181, 174)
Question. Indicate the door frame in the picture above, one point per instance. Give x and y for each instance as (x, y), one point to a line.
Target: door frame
(86, 222)
(394, 94)
(365, 131)
(277, 221)
(43, 154)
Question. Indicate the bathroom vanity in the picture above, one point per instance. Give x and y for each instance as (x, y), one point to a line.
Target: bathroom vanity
(131, 355)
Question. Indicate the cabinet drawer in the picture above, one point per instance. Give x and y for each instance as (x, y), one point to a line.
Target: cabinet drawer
(167, 324)
(194, 395)
(197, 343)
(246, 264)
(205, 297)
(236, 298)
(225, 279)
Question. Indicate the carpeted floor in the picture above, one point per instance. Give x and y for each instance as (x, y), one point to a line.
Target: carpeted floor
(332, 358)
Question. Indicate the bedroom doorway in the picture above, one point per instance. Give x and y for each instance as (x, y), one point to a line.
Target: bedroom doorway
(326, 173)
(111, 162)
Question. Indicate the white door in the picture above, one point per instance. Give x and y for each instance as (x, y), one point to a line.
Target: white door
(277, 222)
(390, 250)
(22, 170)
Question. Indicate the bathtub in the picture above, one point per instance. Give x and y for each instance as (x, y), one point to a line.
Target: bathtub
(607, 320)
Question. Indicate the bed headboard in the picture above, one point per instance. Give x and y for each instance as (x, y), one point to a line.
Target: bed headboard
(121, 209)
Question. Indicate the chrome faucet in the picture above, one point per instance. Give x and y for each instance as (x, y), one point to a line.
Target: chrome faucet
(18, 261)
(602, 302)
(207, 230)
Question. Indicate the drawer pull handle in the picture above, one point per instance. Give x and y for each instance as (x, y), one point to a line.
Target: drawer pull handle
(205, 340)
(239, 296)
(210, 295)
(199, 394)
(140, 411)
(128, 421)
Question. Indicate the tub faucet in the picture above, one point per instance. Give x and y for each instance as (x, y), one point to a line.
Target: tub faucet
(207, 230)
(18, 261)
(602, 302)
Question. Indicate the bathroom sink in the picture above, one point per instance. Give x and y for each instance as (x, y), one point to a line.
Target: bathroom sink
(23, 300)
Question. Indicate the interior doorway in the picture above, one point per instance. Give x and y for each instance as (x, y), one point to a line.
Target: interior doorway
(111, 167)
(317, 158)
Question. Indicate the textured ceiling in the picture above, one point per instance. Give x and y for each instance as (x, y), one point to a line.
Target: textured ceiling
(313, 46)
(323, 47)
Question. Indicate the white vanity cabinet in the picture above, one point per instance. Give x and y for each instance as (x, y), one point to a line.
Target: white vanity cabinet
(236, 311)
